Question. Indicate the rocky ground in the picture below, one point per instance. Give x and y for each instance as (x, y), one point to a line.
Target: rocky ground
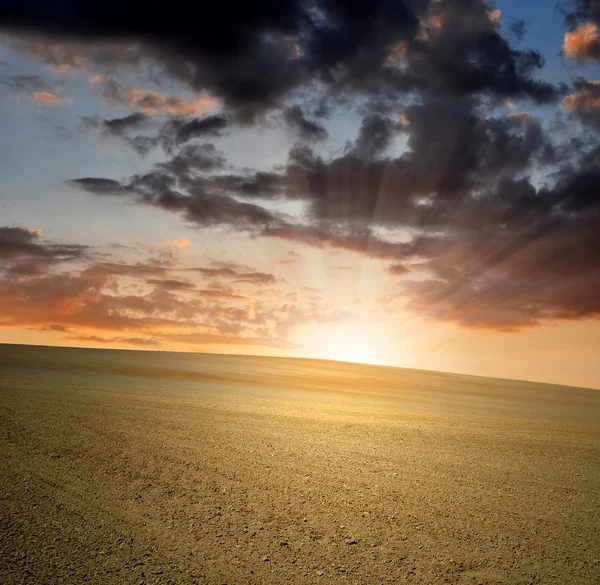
(213, 474)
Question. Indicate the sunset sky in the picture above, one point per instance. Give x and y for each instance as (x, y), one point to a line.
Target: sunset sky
(402, 182)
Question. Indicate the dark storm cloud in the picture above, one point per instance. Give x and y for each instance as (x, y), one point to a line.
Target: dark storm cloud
(375, 136)
(494, 249)
(198, 204)
(122, 128)
(580, 11)
(500, 252)
(513, 279)
(454, 151)
(119, 126)
(455, 155)
(242, 55)
(460, 61)
(23, 253)
(577, 189)
(100, 186)
(489, 245)
(533, 258)
(359, 240)
(194, 158)
(254, 56)
(18, 242)
(178, 131)
(172, 284)
(306, 129)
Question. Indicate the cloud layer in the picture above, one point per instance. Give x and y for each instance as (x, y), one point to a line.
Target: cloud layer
(485, 212)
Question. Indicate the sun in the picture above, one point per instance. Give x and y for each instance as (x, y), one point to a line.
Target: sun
(350, 343)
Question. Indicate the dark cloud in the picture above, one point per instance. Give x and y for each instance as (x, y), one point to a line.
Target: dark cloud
(497, 221)
(492, 247)
(24, 252)
(122, 128)
(198, 204)
(551, 277)
(179, 185)
(119, 126)
(577, 12)
(254, 57)
(238, 275)
(533, 258)
(193, 159)
(455, 151)
(460, 51)
(375, 136)
(306, 129)
(172, 134)
(356, 239)
(178, 131)
(100, 186)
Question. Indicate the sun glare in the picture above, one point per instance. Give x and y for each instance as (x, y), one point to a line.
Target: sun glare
(351, 344)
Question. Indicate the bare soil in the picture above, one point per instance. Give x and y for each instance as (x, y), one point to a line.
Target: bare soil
(142, 467)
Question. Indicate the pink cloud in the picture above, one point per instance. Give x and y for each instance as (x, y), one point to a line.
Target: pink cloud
(50, 99)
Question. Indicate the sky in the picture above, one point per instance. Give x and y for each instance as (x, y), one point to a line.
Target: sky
(411, 183)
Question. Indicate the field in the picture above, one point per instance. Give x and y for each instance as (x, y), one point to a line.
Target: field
(147, 467)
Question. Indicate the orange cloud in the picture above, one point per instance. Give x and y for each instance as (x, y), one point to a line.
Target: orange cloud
(24, 229)
(431, 23)
(50, 99)
(583, 43)
(145, 303)
(494, 16)
(178, 243)
(150, 102)
(398, 52)
(585, 99)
